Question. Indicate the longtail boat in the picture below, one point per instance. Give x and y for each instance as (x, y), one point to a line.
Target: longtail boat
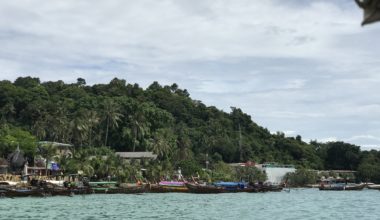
(220, 187)
(374, 186)
(119, 190)
(269, 188)
(231, 187)
(11, 193)
(168, 186)
(338, 185)
(114, 188)
(204, 189)
(342, 187)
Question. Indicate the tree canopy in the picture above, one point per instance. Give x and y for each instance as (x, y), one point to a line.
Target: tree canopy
(160, 118)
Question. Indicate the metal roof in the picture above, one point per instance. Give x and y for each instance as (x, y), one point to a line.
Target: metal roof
(136, 155)
(56, 144)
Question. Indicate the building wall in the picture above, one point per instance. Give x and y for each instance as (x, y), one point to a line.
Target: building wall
(276, 174)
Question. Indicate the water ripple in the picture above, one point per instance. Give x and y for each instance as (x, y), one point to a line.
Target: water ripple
(298, 204)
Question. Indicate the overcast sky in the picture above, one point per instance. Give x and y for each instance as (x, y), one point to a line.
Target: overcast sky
(301, 67)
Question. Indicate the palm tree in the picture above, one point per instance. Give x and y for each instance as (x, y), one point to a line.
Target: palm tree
(111, 116)
(163, 142)
(78, 127)
(39, 128)
(140, 128)
(92, 120)
(58, 124)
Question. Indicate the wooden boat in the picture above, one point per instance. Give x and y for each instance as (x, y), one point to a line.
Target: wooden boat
(269, 188)
(339, 184)
(342, 186)
(114, 188)
(221, 187)
(244, 187)
(11, 193)
(204, 189)
(168, 186)
(63, 192)
(233, 187)
(7, 183)
(81, 190)
(374, 186)
(355, 186)
(119, 190)
(68, 189)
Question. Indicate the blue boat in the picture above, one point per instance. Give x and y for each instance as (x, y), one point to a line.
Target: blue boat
(232, 186)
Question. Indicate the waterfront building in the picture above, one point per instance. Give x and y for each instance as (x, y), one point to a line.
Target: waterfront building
(276, 172)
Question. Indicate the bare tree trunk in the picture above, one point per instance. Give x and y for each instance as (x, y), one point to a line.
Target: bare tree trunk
(46, 165)
(90, 141)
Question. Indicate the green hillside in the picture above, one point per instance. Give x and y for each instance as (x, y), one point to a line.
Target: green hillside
(163, 119)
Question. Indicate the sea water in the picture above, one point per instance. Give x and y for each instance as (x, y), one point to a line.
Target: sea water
(296, 204)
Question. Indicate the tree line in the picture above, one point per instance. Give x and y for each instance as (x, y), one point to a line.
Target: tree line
(164, 119)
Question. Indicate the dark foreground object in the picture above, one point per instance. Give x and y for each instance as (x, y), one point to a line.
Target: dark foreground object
(371, 10)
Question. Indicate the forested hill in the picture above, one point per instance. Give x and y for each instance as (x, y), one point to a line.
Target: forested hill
(163, 119)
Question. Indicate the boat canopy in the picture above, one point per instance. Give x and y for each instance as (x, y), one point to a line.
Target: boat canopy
(230, 184)
(101, 183)
(171, 183)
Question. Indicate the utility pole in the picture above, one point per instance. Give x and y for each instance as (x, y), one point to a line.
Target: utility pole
(240, 147)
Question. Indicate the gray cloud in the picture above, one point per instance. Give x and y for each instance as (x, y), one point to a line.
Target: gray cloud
(304, 67)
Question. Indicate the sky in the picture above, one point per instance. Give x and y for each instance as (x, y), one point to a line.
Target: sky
(300, 67)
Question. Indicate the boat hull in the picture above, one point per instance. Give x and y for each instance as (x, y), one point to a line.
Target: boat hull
(195, 188)
(120, 190)
(376, 186)
(212, 189)
(156, 188)
(11, 193)
(342, 187)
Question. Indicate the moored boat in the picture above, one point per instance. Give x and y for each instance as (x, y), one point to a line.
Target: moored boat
(269, 188)
(339, 185)
(119, 190)
(342, 187)
(222, 187)
(204, 189)
(168, 186)
(11, 193)
(234, 186)
(374, 186)
(114, 188)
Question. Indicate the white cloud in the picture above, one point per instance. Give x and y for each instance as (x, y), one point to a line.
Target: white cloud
(328, 139)
(368, 147)
(305, 66)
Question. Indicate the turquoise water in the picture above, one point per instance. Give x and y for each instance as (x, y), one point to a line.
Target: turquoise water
(297, 204)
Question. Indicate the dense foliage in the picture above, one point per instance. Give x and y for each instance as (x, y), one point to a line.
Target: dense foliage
(163, 119)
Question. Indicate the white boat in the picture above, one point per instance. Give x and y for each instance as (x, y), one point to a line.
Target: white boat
(8, 183)
(374, 186)
(56, 182)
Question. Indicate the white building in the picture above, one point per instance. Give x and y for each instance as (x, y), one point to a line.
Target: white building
(276, 172)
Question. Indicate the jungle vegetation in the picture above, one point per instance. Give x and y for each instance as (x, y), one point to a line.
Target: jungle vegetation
(102, 118)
